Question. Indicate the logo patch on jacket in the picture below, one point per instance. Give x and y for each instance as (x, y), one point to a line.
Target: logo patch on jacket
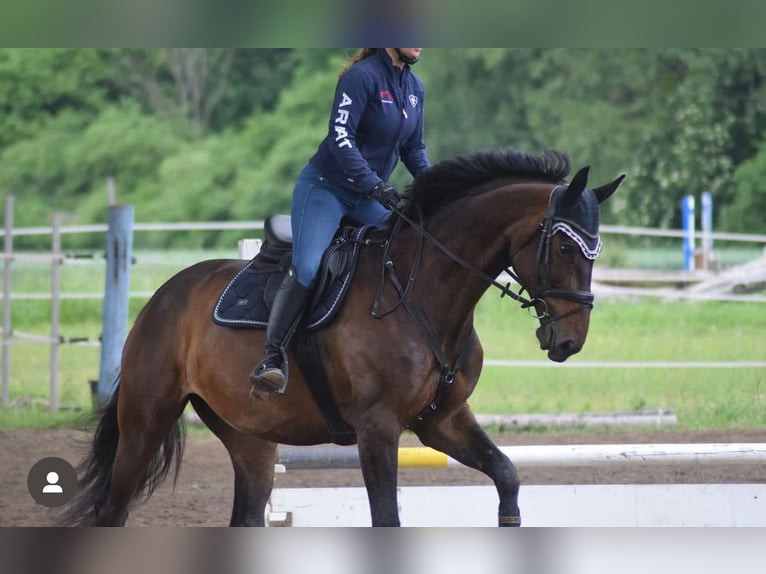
(413, 100)
(386, 97)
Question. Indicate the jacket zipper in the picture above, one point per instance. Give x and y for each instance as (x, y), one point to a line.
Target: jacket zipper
(401, 101)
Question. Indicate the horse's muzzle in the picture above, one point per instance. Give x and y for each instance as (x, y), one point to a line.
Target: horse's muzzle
(545, 335)
(557, 351)
(563, 351)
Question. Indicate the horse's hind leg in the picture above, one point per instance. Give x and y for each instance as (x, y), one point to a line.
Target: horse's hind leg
(145, 424)
(460, 436)
(253, 459)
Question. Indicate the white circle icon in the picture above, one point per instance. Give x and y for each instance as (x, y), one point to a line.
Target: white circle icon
(52, 487)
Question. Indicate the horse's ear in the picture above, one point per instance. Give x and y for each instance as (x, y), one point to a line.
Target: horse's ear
(603, 192)
(576, 186)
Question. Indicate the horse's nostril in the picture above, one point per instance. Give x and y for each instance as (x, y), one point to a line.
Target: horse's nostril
(564, 350)
(569, 347)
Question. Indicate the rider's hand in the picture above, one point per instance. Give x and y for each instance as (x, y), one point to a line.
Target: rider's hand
(386, 194)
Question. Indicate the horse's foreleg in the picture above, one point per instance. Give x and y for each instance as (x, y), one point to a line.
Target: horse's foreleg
(253, 459)
(459, 435)
(378, 443)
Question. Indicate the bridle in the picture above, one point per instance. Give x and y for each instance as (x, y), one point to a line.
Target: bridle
(448, 369)
(547, 228)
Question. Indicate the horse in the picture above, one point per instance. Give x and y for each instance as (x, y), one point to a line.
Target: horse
(401, 354)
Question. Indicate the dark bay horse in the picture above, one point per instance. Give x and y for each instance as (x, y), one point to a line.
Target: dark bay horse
(467, 220)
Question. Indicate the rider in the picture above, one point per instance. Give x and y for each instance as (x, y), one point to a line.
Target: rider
(377, 116)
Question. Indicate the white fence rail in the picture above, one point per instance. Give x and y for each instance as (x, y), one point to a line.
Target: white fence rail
(178, 226)
(680, 234)
(575, 363)
(246, 225)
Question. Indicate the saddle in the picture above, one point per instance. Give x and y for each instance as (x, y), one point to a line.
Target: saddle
(245, 303)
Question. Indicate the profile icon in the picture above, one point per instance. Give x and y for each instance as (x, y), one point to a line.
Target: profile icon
(52, 487)
(52, 482)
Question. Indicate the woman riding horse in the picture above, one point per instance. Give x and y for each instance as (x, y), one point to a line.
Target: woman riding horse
(377, 115)
(410, 362)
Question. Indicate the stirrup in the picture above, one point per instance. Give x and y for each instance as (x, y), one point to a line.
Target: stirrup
(267, 378)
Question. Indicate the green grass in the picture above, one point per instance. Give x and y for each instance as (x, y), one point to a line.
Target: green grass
(624, 331)
(38, 416)
(633, 332)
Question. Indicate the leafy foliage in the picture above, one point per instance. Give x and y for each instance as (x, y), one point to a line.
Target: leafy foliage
(203, 134)
(746, 211)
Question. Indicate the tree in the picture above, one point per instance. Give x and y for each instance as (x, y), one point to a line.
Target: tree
(37, 85)
(221, 134)
(696, 135)
(474, 100)
(184, 83)
(745, 213)
(213, 89)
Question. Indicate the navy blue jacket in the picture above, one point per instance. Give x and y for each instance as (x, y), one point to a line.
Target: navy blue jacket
(377, 116)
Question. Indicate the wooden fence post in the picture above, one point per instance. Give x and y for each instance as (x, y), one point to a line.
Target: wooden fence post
(56, 262)
(119, 253)
(7, 261)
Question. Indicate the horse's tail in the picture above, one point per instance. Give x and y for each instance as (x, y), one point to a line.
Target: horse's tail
(95, 471)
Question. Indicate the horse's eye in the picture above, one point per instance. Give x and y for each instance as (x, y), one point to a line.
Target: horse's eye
(566, 249)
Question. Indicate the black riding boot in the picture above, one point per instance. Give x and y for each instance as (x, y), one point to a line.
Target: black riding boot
(286, 311)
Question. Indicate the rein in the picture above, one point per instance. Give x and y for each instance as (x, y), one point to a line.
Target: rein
(426, 235)
(547, 228)
(449, 370)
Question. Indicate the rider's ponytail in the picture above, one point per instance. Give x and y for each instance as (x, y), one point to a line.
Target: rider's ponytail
(360, 55)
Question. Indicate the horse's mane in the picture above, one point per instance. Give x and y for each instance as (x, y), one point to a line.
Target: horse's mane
(454, 178)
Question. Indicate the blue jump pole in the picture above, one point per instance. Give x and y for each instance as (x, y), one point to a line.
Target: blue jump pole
(687, 219)
(119, 253)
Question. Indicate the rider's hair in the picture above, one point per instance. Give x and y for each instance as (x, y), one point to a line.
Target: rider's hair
(360, 55)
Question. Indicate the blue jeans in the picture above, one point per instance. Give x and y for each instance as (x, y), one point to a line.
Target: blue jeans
(317, 209)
